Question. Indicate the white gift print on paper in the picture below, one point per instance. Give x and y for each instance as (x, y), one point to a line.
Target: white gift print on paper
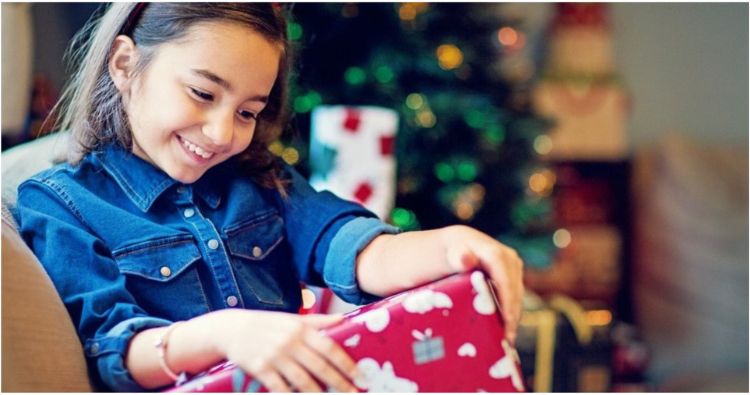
(421, 302)
(467, 350)
(377, 379)
(374, 320)
(483, 302)
(352, 341)
(506, 366)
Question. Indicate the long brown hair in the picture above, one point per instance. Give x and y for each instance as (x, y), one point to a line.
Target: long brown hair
(91, 106)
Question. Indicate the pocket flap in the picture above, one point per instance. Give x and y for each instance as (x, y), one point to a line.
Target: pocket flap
(158, 260)
(257, 239)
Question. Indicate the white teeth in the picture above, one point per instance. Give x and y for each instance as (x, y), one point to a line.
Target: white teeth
(198, 150)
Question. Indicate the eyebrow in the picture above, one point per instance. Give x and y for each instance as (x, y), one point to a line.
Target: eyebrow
(224, 83)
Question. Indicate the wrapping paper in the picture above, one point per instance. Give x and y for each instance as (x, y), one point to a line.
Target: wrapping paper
(446, 336)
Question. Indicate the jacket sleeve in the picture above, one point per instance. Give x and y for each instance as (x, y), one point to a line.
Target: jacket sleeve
(326, 233)
(87, 279)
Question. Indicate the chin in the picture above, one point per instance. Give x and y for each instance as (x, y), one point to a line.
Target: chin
(186, 177)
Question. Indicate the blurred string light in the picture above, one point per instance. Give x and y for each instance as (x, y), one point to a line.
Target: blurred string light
(507, 36)
(449, 56)
(306, 102)
(465, 170)
(475, 118)
(511, 38)
(404, 219)
(294, 31)
(424, 116)
(408, 12)
(468, 201)
(543, 144)
(290, 155)
(494, 134)
(542, 182)
(355, 75)
(598, 317)
(384, 74)
(276, 147)
(444, 172)
(415, 101)
(561, 238)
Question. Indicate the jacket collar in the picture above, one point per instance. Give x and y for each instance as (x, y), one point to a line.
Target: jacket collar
(143, 182)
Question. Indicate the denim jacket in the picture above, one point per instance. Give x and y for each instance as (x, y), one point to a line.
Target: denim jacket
(129, 248)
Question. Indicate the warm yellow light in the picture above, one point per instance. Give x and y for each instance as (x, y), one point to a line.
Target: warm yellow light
(308, 298)
(415, 101)
(426, 119)
(276, 148)
(449, 56)
(507, 36)
(407, 12)
(543, 145)
(561, 238)
(542, 182)
(598, 317)
(476, 192)
(464, 211)
(290, 155)
(538, 183)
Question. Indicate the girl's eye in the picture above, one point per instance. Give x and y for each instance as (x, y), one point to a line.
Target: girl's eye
(202, 95)
(246, 116)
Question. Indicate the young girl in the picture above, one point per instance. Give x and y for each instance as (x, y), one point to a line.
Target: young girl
(176, 240)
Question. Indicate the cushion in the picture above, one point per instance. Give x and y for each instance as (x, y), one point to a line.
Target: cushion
(25, 160)
(41, 351)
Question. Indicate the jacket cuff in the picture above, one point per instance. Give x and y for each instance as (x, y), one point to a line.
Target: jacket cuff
(110, 349)
(339, 271)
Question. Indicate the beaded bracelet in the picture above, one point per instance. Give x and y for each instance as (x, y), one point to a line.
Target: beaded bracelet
(161, 349)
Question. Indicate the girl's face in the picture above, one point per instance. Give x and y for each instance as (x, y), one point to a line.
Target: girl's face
(196, 104)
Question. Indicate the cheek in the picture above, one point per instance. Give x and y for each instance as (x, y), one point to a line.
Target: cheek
(242, 141)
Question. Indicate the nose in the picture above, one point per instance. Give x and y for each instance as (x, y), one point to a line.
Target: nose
(220, 128)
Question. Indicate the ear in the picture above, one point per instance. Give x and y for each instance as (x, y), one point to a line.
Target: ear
(122, 62)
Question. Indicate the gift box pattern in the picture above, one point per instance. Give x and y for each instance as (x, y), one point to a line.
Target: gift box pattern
(446, 336)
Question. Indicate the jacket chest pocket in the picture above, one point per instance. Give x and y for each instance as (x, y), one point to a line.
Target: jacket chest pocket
(261, 263)
(163, 277)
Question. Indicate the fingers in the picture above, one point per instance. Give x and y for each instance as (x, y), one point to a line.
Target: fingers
(505, 268)
(296, 375)
(272, 381)
(321, 320)
(321, 369)
(332, 352)
(462, 260)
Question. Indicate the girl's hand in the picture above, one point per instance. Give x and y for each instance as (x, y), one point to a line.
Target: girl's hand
(285, 352)
(467, 248)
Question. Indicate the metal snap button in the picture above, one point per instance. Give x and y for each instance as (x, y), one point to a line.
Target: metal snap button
(165, 271)
(189, 212)
(232, 301)
(213, 244)
(257, 251)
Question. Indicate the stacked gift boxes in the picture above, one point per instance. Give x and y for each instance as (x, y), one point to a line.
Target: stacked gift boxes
(446, 336)
(566, 347)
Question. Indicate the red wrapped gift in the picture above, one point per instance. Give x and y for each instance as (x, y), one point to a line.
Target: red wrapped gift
(446, 336)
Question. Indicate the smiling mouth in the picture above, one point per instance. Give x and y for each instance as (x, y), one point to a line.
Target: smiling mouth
(196, 149)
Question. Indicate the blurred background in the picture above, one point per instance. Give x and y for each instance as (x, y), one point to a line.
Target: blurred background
(607, 143)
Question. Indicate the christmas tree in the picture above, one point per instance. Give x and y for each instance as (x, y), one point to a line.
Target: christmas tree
(467, 146)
